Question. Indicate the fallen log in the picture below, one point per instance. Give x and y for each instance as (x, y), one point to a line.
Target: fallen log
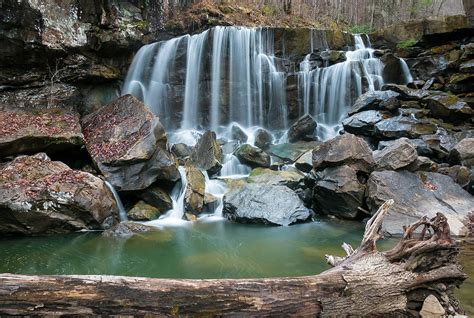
(365, 282)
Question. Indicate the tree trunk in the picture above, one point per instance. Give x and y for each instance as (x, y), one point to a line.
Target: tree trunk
(365, 282)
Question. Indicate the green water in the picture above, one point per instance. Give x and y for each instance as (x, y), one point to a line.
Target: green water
(203, 250)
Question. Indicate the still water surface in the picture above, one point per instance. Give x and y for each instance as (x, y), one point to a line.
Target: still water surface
(217, 249)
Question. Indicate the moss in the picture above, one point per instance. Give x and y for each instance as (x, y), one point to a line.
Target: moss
(362, 28)
(269, 10)
(406, 43)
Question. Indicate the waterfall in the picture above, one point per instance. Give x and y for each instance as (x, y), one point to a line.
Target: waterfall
(407, 78)
(231, 75)
(121, 208)
(217, 189)
(232, 168)
(329, 92)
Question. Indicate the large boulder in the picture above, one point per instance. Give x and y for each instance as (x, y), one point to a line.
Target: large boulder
(40, 196)
(128, 144)
(195, 190)
(290, 177)
(263, 138)
(339, 192)
(417, 195)
(363, 123)
(345, 149)
(238, 134)
(32, 131)
(207, 153)
(463, 153)
(157, 197)
(376, 100)
(253, 156)
(401, 126)
(269, 204)
(401, 154)
(302, 129)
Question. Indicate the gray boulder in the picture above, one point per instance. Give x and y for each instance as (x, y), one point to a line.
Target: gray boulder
(158, 198)
(401, 154)
(345, 149)
(363, 123)
(302, 129)
(290, 177)
(376, 100)
(463, 153)
(417, 195)
(338, 192)
(263, 139)
(207, 153)
(446, 106)
(238, 134)
(128, 228)
(142, 211)
(253, 156)
(305, 162)
(268, 204)
(401, 126)
(129, 145)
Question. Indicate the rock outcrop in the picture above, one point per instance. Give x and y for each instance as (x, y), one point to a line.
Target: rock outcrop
(417, 195)
(40, 196)
(128, 144)
(268, 204)
(32, 131)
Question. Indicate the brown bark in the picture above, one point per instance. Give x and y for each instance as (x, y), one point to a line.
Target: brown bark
(366, 282)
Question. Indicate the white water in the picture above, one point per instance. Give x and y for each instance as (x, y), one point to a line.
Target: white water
(327, 93)
(121, 208)
(406, 72)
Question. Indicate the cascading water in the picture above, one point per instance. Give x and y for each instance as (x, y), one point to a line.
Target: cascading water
(327, 93)
(406, 72)
(121, 208)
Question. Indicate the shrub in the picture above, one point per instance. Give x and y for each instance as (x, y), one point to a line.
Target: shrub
(363, 28)
(406, 43)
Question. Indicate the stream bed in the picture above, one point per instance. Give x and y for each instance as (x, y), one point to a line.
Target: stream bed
(205, 249)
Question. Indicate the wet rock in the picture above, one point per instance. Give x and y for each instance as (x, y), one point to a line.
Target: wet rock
(346, 149)
(290, 177)
(463, 153)
(128, 144)
(238, 134)
(158, 198)
(288, 153)
(305, 162)
(467, 67)
(252, 156)
(400, 126)
(181, 151)
(211, 203)
(263, 139)
(142, 211)
(207, 153)
(376, 100)
(460, 174)
(417, 195)
(339, 192)
(195, 190)
(128, 228)
(401, 154)
(392, 70)
(302, 129)
(447, 106)
(40, 196)
(363, 123)
(268, 204)
(31, 131)
(461, 82)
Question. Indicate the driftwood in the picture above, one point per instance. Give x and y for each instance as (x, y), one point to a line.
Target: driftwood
(365, 282)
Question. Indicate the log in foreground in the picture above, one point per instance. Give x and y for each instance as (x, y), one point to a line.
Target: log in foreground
(365, 282)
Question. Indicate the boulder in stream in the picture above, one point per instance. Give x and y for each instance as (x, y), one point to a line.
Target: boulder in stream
(261, 203)
(401, 154)
(195, 190)
(40, 196)
(128, 144)
(302, 129)
(252, 156)
(142, 211)
(376, 100)
(290, 177)
(207, 153)
(417, 195)
(345, 149)
(263, 138)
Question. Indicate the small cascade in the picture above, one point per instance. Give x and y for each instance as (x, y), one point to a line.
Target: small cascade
(232, 168)
(218, 190)
(328, 92)
(121, 208)
(407, 77)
